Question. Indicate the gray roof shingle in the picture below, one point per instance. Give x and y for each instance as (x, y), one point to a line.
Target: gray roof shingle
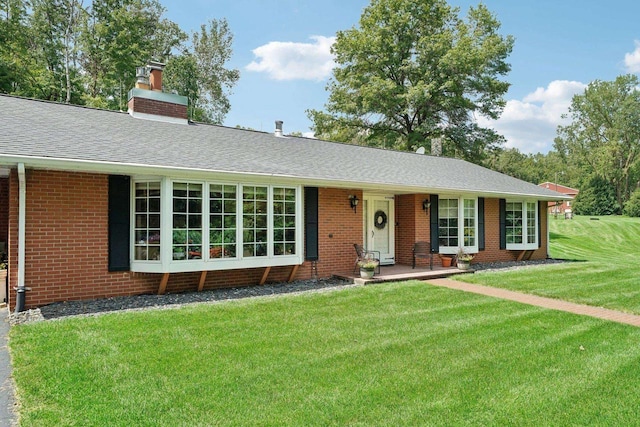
(37, 129)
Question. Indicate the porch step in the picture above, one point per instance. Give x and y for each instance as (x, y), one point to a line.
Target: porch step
(400, 273)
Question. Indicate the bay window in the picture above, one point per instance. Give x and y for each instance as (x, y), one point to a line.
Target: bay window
(521, 223)
(214, 226)
(457, 224)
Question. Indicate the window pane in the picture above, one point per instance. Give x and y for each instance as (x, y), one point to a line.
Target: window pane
(284, 226)
(469, 230)
(187, 221)
(254, 220)
(146, 233)
(513, 223)
(222, 199)
(448, 222)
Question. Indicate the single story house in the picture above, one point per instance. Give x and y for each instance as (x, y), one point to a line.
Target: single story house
(98, 203)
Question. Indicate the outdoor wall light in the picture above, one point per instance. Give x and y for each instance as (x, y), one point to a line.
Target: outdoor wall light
(425, 204)
(353, 202)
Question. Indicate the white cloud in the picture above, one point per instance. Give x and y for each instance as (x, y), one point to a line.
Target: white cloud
(530, 124)
(632, 60)
(293, 61)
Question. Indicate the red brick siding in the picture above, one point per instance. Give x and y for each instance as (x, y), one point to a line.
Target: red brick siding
(67, 242)
(339, 227)
(412, 225)
(159, 108)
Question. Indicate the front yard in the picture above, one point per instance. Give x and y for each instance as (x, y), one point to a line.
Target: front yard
(606, 272)
(391, 354)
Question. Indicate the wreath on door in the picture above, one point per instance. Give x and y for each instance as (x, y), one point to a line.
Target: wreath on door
(380, 220)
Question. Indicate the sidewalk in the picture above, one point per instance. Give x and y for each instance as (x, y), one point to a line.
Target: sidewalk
(553, 304)
(7, 400)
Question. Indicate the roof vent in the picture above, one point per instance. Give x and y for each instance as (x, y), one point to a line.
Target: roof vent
(278, 131)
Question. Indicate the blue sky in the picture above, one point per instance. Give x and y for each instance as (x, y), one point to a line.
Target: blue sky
(281, 48)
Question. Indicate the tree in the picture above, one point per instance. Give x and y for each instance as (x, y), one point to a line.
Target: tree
(603, 139)
(55, 26)
(200, 72)
(14, 48)
(415, 71)
(118, 36)
(597, 197)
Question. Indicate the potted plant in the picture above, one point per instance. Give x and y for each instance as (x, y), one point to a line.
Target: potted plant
(463, 259)
(446, 260)
(368, 267)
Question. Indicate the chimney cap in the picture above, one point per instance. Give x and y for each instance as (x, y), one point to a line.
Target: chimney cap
(155, 65)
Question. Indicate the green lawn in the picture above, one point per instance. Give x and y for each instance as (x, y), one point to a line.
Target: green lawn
(607, 274)
(392, 354)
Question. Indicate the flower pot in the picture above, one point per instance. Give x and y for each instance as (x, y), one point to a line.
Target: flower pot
(464, 265)
(366, 274)
(446, 261)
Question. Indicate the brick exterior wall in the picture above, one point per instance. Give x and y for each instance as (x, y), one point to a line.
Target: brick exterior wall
(158, 108)
(67, 241)
(412, 225)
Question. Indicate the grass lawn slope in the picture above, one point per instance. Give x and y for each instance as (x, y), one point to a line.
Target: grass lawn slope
(608, 271)
(384, 355)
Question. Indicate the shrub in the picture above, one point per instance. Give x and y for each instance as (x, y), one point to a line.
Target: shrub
(632, 207)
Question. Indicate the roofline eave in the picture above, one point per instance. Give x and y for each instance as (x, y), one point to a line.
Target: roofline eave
(92, 166)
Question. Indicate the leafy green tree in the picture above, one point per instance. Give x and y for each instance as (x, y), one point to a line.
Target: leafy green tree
(118, 36)
(596, 197)
(632, 207)
(200, 73)
(14, 48)
(414, 71)
(603, 139)
(55, 27)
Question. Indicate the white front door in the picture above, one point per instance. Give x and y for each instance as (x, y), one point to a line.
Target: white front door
(379, 226)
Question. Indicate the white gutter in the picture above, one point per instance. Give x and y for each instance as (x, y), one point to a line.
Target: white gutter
(22, 221)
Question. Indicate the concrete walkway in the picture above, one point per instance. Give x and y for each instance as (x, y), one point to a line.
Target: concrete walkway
(7, 399)
(553, 304)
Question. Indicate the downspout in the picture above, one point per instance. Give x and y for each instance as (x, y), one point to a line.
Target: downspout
(548, 234)
(22, 221)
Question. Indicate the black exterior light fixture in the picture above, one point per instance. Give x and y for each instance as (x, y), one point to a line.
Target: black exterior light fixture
(426, 204)
(353, 202)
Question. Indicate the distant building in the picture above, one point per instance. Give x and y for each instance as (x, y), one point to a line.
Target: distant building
(564, 207)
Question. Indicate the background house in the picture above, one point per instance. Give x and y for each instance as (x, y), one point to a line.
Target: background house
(560, 207)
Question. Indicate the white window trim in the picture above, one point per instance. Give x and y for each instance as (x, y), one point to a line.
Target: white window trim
(525, 221)
(450, 250)
(168, 265)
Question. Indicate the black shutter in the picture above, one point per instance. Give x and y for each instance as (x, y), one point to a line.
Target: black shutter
(540, 223)
(311, 223)
(119, 222)
(503, 224)
(481, 223)
(433, 216)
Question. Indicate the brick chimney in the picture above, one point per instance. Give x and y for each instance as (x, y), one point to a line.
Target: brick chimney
(148, 101)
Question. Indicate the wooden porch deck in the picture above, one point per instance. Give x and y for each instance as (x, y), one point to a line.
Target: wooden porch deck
(397, 272)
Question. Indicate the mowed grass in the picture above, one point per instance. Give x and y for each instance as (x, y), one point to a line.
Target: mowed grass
(606, 272)
(385, 355)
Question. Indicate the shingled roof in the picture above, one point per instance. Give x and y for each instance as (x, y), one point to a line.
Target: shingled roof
(57, 136)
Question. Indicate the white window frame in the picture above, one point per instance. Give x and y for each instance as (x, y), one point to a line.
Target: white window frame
(166, 263)
(451, 250)
(526, 245)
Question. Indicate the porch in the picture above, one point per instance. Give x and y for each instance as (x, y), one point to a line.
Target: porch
(399, 272)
